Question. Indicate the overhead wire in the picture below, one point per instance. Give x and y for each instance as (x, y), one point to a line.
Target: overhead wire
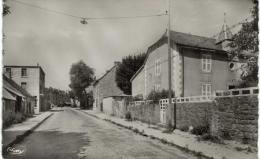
(87, 18)
(120, 17)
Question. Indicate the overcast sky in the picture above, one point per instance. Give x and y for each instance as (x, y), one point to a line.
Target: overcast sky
(56, 41)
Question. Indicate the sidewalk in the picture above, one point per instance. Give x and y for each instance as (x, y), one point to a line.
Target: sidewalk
(17, 132)
(184, 140)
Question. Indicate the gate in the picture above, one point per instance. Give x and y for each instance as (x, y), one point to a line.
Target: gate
(163, 108)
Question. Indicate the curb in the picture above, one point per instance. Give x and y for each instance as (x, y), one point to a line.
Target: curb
(162, 140)
(20, 138)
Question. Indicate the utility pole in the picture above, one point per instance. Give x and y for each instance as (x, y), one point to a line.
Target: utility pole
(169, 62)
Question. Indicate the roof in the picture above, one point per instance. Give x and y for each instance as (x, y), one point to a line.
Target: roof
(194, 41)
(184, 39)
(14, 87)
(7, 95)
(95, 83)
(136, 73)
(19, 66)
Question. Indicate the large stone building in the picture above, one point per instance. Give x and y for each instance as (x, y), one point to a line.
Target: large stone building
(30, 78)
(106, 86)
(200, 65)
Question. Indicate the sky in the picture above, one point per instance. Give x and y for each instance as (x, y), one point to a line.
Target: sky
(56, 41)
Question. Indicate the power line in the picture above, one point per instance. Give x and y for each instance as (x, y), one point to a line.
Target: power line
(46, 9)
(86, 18)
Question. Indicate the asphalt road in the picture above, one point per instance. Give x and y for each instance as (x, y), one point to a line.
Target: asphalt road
(72, 134)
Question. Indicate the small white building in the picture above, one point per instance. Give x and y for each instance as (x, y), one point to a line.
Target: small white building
(32, 79)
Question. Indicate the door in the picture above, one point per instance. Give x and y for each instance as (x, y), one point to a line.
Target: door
(163, 107)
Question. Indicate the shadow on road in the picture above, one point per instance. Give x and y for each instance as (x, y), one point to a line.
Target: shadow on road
(50, 145)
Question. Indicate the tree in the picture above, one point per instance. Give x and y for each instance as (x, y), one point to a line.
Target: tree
(56, 96)
(130, 64)
(81, 76)
(6, 8)
(246, 40)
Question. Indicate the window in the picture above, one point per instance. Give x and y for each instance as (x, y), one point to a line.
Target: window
(157, 87)
(206, 89)
(24, 72)
(206, 63)
(8, 72)
(24, 85)
(231, 87)
(157, 68)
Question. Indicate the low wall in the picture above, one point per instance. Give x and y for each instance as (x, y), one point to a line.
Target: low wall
(232, 117)
(236, 118)
(193, 114)
(114, 106)
(149, 113)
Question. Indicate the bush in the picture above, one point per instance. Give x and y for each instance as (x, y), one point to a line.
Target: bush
(138, 97)
(226, 135)
(136, 130)
(214, 139)
(200, 130)
(184, 128)
(169, 128)
(157, 95)
(128, 116)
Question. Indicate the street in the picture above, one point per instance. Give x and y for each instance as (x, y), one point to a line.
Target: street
(73, 134)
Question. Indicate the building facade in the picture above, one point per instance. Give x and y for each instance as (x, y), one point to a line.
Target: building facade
(137, 85)
(105, 86)
(200, 66)
(15, 100)
(32, 79)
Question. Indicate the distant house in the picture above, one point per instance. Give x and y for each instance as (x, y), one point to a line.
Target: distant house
(200, 65)
(15, 100)
(104, 87)
(32, 79)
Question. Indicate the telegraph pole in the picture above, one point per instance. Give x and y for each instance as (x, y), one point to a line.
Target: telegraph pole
(169, 62)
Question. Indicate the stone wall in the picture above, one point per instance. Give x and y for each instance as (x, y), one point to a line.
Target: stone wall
(236, 118)
(149, 113)
(233, 118)
(193, 114)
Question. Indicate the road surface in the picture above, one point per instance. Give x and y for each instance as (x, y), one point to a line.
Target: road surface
(72, 134)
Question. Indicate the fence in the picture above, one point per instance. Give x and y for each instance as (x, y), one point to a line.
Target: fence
(137, 103)
(238, 92)
(220, 93)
